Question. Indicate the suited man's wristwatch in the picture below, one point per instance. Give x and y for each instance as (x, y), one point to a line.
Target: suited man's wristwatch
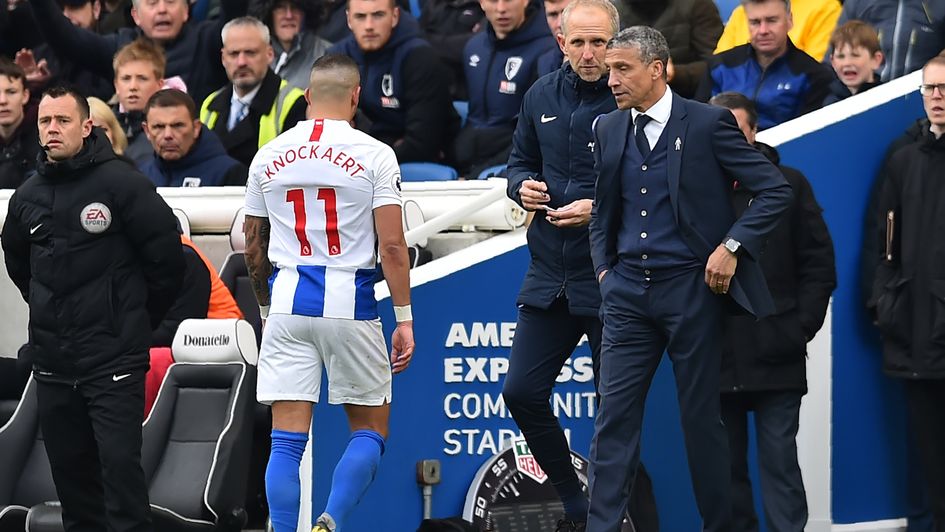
(734, 246)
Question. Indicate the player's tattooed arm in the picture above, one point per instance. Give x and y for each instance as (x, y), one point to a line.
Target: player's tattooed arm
(256, 232)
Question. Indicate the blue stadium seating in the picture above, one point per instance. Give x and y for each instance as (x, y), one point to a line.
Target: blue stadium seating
(427, 172)
(493, 171)
(726, 7)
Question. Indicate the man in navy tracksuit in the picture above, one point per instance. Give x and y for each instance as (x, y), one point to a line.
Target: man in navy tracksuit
(404, 85)
(551, 172)
(501, 64)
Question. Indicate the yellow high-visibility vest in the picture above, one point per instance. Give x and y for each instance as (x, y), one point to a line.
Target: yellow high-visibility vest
(272, 123)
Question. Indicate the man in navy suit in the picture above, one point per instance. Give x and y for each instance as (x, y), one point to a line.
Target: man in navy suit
(665, 245)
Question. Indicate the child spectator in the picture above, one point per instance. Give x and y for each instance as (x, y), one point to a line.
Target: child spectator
(856, 58)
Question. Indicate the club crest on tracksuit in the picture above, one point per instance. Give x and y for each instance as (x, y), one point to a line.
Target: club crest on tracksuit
(512, 66)
(387, 89)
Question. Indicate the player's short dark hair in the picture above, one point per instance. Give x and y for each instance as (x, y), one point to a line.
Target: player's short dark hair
(736, 100)
(333, 61)
(172, 98)
(81, 103)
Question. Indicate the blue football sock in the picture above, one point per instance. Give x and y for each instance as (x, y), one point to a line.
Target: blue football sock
(354, 473)
(283, 489)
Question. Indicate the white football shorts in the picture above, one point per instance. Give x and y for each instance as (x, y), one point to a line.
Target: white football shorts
(295, 349)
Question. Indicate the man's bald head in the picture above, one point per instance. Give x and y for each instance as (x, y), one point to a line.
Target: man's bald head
(334, 78)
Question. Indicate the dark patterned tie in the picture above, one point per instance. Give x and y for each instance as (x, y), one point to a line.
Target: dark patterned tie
(642, 144)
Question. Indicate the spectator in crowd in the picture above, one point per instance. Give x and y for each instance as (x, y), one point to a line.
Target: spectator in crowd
(186, 154)
(292, 25)
(190, 48)
(448, 25)
(116, 14)
(551, 173)
(335, 28)
(404, 86)
(783, 81)
(814, 21)
(551, 60)
(117, 268)
(139, 73)
(257, 104)
(856, 58)
(19, 138)
(103, 117)
(691, 27)
(764, 361)
(43, 66)
(913, 31)
(501, 64)
(202, 295)
(82, 13)
(907, 293)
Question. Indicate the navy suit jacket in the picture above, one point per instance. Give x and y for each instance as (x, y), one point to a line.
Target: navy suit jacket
(706, 153)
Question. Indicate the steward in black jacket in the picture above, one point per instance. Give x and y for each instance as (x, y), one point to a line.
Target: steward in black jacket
(95, 252)
(798, 263)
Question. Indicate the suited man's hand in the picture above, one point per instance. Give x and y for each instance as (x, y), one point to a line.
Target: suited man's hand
(534, 194)
(575, 214)
(719, 270)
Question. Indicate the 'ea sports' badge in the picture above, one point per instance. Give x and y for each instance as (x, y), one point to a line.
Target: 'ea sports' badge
(95, 217)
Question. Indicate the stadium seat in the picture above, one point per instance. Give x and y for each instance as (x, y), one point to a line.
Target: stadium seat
(236, 278)
(427, 172)
(493, 171)
(196, 441)
(462, 108)
(25, 475)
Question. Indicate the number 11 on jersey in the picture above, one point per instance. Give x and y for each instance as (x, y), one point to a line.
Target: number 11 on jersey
(296, 197)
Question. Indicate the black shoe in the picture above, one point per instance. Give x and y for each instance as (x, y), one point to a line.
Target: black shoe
(567, 525)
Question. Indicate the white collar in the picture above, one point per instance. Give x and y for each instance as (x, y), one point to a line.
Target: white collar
(660, 110)
(248, 98)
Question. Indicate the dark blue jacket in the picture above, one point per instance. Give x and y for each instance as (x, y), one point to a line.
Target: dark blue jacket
(405, 93)
(707, 154)
(499, 72)
(839, 91)
(207, 161)
(552, 143)
(550, 61)
(794, 84)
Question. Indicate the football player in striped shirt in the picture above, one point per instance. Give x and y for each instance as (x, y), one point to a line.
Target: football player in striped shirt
(322, 200)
